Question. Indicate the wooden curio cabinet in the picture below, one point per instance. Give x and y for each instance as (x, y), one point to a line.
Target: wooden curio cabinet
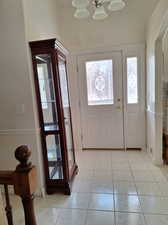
(49, 65)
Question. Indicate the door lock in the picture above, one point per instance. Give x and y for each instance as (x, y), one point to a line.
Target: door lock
(118, 107)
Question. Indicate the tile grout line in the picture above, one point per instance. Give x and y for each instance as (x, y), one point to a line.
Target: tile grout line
(142, 213)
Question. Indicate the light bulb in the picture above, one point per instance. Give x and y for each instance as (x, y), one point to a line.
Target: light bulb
(99, 13)
(81, 13)
(80, 3)
(116, 5)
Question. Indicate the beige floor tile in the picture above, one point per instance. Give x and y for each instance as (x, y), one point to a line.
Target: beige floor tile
(100, 218)
(102, 202)
(78, 201)
(156, 219)
(127, 203)
(105, 187)
(125, 187)
(143, 176)
(129, 219)
(71, 217)
(122, 175)
(107, 181)
(154, 205)
(148, 188)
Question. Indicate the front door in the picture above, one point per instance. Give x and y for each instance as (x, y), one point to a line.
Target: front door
(101, 100)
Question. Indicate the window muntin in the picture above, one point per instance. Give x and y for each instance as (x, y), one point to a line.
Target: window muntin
(99, 76)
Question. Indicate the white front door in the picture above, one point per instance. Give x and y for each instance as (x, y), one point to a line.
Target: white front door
(101, 100)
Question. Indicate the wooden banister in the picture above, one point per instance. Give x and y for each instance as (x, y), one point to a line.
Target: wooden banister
(6, 177)
(8, 207)
(24, 180)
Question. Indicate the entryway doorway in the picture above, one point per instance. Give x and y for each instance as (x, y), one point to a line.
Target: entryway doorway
(161, 79)
(112, 100)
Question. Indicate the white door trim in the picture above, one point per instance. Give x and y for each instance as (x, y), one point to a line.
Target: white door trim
(74, 83)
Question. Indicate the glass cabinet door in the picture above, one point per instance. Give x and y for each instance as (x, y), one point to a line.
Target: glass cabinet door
(54, 157)
(47, 94)
(50, 116)
(66, 108)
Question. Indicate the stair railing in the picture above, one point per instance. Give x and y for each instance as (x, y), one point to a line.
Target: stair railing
(24, 181)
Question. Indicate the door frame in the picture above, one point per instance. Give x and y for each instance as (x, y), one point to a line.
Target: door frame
(74, 81)
(155, 113)
(158, 113)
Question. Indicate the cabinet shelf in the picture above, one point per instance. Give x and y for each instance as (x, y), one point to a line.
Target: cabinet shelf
(50, 129)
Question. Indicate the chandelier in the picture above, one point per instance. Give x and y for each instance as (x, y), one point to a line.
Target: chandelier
(100, 8)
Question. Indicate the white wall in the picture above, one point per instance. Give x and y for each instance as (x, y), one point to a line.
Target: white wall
(156, 26)
(121, 29)
(14, 86)
(17, 121)
(41, 19)
(18, 114)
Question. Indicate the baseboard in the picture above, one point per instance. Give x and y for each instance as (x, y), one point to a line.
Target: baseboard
(156, 162)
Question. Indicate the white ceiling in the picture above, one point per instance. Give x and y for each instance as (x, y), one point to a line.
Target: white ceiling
(68, 3)
(65, 3)
(127, 26)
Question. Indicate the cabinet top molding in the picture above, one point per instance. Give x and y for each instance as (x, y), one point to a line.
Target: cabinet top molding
(48, 44)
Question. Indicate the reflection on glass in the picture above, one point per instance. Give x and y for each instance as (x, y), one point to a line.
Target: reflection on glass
(54, 157)
(99, 76)
(132, 80)
(67, 117)
(46, 86)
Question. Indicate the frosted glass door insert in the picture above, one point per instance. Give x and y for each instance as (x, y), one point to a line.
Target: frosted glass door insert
(99, 75)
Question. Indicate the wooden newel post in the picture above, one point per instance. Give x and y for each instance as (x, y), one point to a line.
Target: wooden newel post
(25, 183)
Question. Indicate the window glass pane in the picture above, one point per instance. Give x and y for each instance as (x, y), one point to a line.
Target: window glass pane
(54, 157)
(99, 75)
(46, 86)
(132, 80)
(66, 107)
(63, 82)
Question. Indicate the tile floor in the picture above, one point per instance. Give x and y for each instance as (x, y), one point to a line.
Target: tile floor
(112, 188)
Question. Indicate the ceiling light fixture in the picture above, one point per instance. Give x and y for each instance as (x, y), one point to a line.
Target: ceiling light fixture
(100, 6)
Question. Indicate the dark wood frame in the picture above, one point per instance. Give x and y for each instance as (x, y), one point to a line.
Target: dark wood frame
(55, 50)
(165, 148)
